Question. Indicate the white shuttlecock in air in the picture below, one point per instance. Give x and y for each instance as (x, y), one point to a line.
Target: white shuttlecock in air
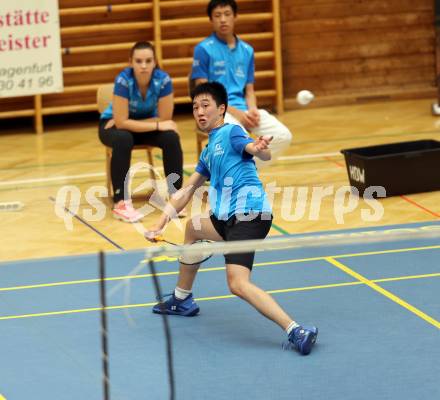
(304, 97)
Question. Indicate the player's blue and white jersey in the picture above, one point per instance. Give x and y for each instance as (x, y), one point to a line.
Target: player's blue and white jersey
(234, 68)
(140, 108)
(234, 184)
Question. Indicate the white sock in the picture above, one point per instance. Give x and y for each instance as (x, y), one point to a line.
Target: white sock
(181, 294)
(291, 327)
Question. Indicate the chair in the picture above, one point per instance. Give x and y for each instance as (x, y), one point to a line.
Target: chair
(103, 97)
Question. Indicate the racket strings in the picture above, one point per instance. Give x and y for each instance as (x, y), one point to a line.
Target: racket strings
(192, 258)
(197, 258)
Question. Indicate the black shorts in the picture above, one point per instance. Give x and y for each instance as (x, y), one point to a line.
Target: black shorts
(243, 227)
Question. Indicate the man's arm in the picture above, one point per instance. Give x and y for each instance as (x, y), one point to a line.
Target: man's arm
(244, 117)
(251, 101)
(177, 203)
(260, 148)
(200, 65)
(251, 98)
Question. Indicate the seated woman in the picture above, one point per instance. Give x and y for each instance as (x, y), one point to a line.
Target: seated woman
(141, 113)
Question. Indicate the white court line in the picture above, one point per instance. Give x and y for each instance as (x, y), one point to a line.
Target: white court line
(285, 158)
(51, 179)
(292, 173)
(307, 156)
(100, 174)
(288, 158)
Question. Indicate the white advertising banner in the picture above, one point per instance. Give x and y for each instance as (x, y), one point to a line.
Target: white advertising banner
(30, 56)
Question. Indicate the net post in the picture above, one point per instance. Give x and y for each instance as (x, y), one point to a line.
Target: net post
(169, 347)
(104, 334)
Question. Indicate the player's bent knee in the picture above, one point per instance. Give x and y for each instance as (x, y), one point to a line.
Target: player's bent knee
(236, 286)
(193, 228)
(189, 231)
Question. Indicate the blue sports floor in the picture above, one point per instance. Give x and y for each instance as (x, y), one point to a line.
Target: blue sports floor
(377, 307)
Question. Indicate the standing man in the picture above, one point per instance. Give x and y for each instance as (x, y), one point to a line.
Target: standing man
(225, 58)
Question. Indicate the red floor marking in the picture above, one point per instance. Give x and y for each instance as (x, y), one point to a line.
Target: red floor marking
(420, 206)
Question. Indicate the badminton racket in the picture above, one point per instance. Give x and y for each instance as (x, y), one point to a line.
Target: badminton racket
(188, 259)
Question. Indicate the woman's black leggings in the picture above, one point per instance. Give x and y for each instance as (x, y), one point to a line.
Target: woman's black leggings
(122, 142)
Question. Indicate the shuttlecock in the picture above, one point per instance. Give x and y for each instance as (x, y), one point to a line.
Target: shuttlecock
(304, 97)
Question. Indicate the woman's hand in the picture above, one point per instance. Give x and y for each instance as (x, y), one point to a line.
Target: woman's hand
(168, 125)
(110, 124)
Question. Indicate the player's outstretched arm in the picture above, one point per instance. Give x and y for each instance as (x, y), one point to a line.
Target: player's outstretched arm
(260, 148)
(177, 203)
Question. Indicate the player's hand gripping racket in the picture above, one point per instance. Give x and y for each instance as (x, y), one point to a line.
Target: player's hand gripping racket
(187, 259)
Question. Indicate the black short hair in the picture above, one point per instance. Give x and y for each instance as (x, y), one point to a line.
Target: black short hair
(215, 89)
(221, 3)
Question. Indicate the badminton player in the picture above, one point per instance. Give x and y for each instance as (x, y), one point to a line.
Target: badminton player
(239, 211)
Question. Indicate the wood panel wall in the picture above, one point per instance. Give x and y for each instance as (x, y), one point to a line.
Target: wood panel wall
(96, 36)
(358, 50)
(343, 50)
